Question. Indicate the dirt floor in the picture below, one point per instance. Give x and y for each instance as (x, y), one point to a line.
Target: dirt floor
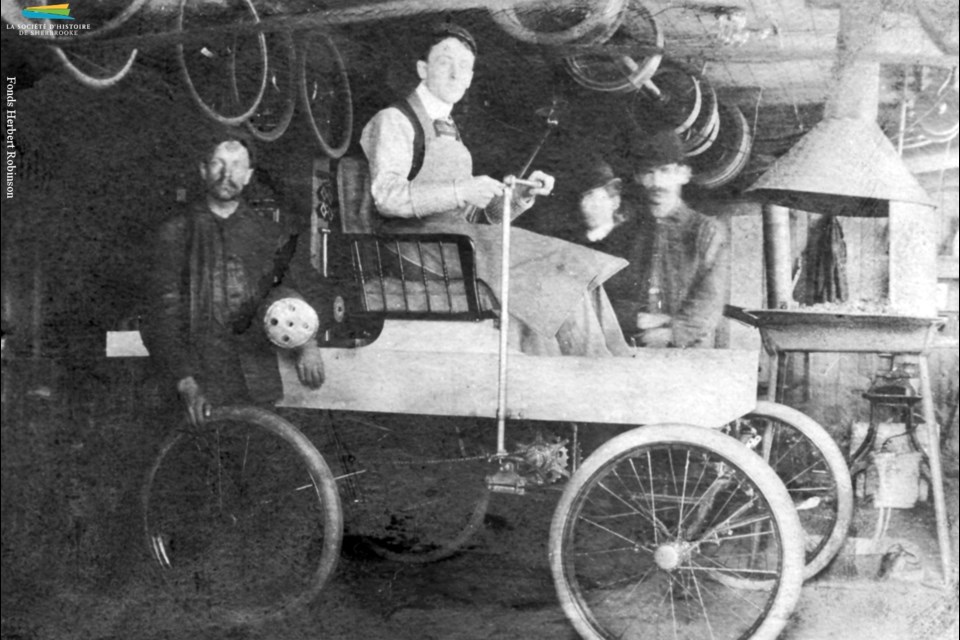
(74, 567)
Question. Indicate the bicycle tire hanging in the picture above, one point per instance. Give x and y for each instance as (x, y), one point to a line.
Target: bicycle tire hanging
(217, 69)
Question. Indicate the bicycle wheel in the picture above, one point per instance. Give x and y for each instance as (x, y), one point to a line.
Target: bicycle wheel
(225, 74)
(547, 24)
(325, 94)
(813, 469)
(415, 485)
(726, 157)
(100, 70)
(242, 517)
(654, 519)
(621, 73)
(275, 111)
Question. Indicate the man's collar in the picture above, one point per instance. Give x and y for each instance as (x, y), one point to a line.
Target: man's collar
(434, 106)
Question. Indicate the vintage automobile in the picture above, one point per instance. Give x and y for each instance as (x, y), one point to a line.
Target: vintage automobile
(700, 517)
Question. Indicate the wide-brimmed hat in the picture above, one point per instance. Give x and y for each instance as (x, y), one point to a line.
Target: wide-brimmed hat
(656, 150)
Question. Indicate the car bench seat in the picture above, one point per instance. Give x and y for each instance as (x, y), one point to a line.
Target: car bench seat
(407, 275)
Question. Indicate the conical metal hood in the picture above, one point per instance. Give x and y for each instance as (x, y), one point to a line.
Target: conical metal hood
(843, 166)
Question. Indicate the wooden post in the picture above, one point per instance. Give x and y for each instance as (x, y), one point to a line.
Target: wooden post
(936, 469)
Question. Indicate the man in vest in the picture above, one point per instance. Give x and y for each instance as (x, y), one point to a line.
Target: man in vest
(557, 303)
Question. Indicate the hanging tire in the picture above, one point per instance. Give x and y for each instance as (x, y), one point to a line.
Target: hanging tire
(94, 74)
(242, 517)
(621, 73)
(325, 94)
(275, 112)
(218, 74)
(727, 157)
(671, 98)
(705, 129)
(811, 465)
(652, 523)
(546, 24)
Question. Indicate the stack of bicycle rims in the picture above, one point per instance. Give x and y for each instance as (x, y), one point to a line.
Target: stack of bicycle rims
(727, 156)
(82, 54)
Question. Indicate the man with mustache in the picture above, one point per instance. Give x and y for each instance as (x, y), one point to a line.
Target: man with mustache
(680, 261)
(217, 266)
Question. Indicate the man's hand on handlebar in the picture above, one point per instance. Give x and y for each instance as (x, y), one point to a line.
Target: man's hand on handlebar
(546, 184)
(198, 409)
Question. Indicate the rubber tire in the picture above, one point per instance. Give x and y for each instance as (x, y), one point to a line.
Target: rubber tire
(728, 155)
(94, 82)
(332, 148)
(645, 99)
(790, 581)
(597, 27)
(236, 119)
(633, 80)
(327, 495)
(817, 436)
(704, 130)
(290, 102)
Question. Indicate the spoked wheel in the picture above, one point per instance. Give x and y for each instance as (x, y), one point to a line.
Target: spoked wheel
(812, 467)
(415, 486)
(325, 94)
(275, 111)
(655, 530)
(242, 517)
(547, 23)
(621, 73)
(96, 68)
(225, 74)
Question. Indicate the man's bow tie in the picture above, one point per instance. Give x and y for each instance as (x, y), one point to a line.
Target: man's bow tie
(446, 127)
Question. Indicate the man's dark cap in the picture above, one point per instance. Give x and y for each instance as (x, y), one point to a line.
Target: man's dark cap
(661, 148)
(594, 173)
(443, 30)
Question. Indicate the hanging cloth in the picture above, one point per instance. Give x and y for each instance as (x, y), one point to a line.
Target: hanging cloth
(830, 264)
